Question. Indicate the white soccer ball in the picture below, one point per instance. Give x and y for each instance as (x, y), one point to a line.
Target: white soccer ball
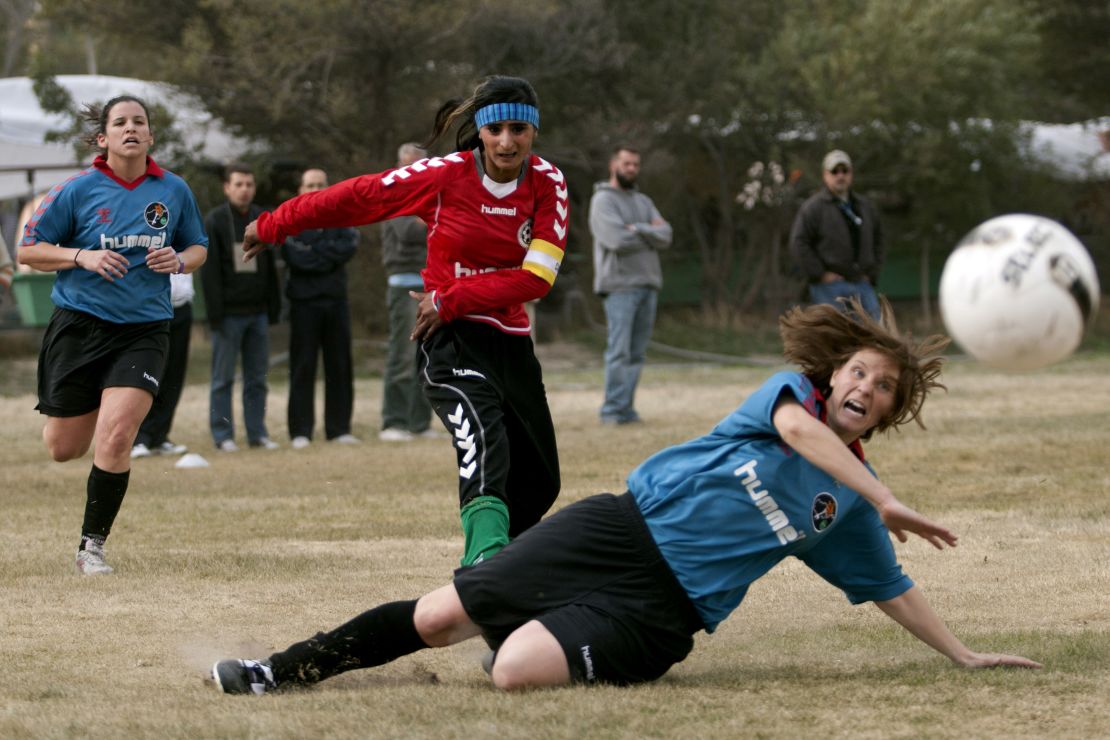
(1018, 292)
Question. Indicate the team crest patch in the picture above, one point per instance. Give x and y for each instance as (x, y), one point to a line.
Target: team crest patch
(157, 215)
(524, 235)
(824, 511)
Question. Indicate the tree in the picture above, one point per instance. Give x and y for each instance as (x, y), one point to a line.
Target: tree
(16, 14)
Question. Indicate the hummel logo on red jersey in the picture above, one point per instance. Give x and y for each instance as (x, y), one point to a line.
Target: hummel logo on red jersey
(497, 211)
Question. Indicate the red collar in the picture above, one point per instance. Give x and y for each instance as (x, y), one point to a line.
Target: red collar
(823, 415)
(152, 170)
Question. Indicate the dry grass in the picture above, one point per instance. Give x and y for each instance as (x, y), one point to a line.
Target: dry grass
(264, 548)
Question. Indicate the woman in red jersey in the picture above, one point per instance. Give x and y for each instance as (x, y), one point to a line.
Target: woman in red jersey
(497, 227)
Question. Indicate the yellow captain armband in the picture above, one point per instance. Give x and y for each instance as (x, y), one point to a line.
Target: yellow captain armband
(543, 260)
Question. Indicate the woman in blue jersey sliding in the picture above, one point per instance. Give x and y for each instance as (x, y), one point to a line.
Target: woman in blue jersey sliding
(114, 233)
(613, 588)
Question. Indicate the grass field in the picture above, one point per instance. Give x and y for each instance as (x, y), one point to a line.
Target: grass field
(265, 548)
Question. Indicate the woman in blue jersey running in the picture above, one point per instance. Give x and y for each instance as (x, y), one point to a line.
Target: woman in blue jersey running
(613, 588)
(114, 233)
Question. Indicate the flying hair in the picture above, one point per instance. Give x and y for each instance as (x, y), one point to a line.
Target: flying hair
(821, 338)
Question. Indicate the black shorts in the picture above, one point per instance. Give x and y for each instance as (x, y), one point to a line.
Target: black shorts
(82, 355)
(486, 387)
(593, 576)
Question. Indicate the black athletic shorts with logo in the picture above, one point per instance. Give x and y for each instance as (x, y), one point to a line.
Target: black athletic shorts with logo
(82, 355)
(486, 387)
(594, 577)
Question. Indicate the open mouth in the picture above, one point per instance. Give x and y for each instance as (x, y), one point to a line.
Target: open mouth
(855, 407)
(131, 140)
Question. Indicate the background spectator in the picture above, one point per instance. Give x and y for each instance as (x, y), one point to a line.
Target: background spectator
(405, 411)
(319, 322)
(836, 240)
(242, 298)
(628, 233)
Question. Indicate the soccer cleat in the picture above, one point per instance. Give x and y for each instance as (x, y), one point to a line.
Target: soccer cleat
(394, 434)
(90, 559)
(140, 450)
(265, 443)
(228, 445)
(243, 676)
(299, 443)
(169, 448)
(347, 439)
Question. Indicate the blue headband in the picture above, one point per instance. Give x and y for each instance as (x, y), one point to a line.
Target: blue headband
(498, 112)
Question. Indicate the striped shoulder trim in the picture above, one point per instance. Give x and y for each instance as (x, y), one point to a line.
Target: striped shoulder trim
(44, 205)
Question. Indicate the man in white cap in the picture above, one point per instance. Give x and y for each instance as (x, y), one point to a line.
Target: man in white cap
(836, 240)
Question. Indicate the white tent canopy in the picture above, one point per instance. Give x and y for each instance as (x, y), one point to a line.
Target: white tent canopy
(24, 126)
(1076, 151)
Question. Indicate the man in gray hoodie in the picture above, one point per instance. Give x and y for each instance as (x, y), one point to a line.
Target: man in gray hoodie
(628, 233)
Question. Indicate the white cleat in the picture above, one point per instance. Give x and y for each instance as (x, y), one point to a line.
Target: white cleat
(90, 561)
(243, 677)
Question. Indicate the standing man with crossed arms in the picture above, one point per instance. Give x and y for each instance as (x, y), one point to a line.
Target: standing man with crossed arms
(628, 233)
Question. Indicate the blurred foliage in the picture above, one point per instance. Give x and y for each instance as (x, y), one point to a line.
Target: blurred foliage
(926, 96)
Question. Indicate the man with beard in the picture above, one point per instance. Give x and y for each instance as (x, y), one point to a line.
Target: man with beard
(628, 233)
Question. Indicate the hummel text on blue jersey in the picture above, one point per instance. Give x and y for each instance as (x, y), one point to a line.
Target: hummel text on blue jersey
(767, 505)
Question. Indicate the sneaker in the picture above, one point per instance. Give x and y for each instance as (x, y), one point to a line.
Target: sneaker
(90, 560)
(393, 434)
(299, 443)
(140, 450)
(431, 433)
(228, 445)
(265, 443)
(243, 677)
(634, 418)
(169, 448)
(347, 439)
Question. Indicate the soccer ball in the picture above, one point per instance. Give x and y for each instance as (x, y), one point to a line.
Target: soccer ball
(1018, 292)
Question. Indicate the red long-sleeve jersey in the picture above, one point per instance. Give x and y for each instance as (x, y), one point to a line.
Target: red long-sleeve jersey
(491, 246)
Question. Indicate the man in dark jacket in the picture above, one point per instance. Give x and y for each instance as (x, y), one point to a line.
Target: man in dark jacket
(242, 299)
(836, 240)
(319, 322)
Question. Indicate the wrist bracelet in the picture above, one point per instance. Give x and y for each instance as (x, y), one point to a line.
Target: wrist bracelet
(79, 251)
(180, 265)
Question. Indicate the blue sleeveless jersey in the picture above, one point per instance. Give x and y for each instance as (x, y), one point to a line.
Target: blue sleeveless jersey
(94, 210)
(726, 507)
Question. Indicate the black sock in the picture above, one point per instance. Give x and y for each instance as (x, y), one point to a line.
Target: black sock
(372, 638)
(105, 495)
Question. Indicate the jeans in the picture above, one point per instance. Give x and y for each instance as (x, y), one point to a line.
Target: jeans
(829, 292)
(631, 317)
(249, 334)
(403, 403)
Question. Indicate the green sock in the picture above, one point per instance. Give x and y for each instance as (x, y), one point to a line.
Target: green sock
(485, 523)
